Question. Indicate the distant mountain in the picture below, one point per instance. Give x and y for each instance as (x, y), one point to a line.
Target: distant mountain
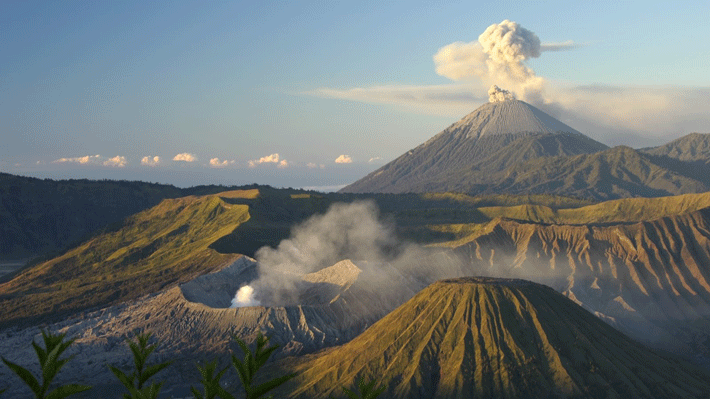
(497, 338)
(512, 147)
(694, 147)
(618, 172)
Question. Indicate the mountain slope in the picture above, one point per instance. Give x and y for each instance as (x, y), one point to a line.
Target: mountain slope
(39, 216)
(468, 142)
(492, 338)
(619, 172)
(694, 147)
(649, 279)
(164, 245)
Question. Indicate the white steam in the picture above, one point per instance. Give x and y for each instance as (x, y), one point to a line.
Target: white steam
(496, 94)
(391, 271)
(244, 297)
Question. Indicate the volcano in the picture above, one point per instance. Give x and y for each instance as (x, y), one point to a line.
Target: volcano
(509, 146)
(490, 139)
(497, 338)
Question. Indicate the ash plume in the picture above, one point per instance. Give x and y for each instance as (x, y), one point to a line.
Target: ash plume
(498, 57)
(496, 94)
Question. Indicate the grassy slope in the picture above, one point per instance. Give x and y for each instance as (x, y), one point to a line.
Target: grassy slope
(486, 338)
(166, 244)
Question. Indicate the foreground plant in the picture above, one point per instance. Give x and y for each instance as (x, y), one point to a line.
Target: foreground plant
(365, 390)
(50, 363)
(135, 383)
(210, 382)
(252, 362)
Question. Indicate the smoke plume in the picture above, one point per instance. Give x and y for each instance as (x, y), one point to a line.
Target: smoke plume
(498, 57)
(391, 270)
(496, 94)
(346, 231)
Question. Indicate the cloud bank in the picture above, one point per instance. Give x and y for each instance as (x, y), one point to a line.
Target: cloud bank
(273, 158)
(343, 159)
(88, 159)
(185, 157)
(216, 163)
(117, 162)
(150, 161)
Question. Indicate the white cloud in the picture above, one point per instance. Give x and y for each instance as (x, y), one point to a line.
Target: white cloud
(344, 159)
(185, 157)
(560, 46)
(373, 159)
(311, 165)
(88, 159)
(273, 158)
(216, 163)
(283, 164)
(446, 100)
(117, 161)
(150, 161)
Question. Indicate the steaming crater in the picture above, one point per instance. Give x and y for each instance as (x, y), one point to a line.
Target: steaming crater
(230, 287)
(217, 289)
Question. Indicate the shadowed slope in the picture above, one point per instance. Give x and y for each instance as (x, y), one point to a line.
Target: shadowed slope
(492, 338)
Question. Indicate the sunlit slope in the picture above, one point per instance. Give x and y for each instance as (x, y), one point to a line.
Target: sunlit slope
(492, 338)
(166, 244)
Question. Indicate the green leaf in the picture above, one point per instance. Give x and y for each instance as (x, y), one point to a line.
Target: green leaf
(66, 390)
(262, 389)
(25, 375)
(196, 393)
(153, 370)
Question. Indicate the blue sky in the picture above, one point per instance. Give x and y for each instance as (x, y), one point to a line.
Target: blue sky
(311, 81)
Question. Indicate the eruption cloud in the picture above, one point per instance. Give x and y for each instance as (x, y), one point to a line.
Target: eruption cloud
(498, 57)
(496, 94)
